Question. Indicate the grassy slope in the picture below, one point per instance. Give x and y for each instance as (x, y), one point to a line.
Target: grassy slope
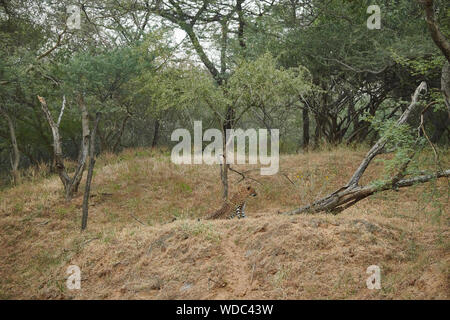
(132, 249)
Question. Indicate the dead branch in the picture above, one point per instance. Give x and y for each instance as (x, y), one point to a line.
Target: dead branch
(287, 177)
(137, 220)
(380, 144)
(351, 193)
(340, 201)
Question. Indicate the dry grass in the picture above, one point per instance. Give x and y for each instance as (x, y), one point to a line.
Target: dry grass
(265, 256)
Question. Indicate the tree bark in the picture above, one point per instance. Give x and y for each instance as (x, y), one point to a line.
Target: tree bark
(305, 128)
(241, 24)
(187, 23)
(90, 174)
(16, 154)
(438, 37)
(445, 85)
(317, 132)
(155, 134)
(75, 182)
(57, 148)
(120, 133)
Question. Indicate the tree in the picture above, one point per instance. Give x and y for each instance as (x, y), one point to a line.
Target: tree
(444, 45)
(90, 173)
(70, 184)
(436, 34)
(15, 158)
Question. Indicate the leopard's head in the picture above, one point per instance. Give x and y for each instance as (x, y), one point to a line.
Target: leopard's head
(249, 191)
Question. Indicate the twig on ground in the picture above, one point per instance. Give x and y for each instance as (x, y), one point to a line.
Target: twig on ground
(137, 219)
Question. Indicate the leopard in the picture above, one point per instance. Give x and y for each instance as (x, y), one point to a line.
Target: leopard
(235, 207)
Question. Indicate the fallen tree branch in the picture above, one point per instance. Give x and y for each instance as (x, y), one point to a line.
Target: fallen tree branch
(351, 193)
(381, 143)
(338, 202)
(137, 220)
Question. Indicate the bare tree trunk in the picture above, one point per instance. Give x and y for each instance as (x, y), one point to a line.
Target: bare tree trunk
(317, 132)
(224, 167)
(57, 149)
(155, 134)
(227, 124)
(90, 173)
(351, 193)
(305, 128)
(16, 158)
(70, 184)
(224, 178)
(75, 182)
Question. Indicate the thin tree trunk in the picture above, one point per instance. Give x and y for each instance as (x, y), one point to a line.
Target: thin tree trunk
(90, 173)
(224, 167)
(155, 134)
(120, 133)
(70, 184)
(438, 37)
(305, 128)
(57, 149)
(75, 181)
(317, 132)
(445, 85)
(241, 24)
(16, 158)
(227, 124)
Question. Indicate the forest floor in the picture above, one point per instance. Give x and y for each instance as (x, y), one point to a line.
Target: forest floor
(144, 240)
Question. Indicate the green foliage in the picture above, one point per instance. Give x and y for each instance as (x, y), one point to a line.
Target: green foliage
(404, 142)
(145, 84)
(262, 83)
(420, 65)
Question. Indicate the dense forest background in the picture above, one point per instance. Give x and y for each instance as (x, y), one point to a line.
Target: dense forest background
(310, 68)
